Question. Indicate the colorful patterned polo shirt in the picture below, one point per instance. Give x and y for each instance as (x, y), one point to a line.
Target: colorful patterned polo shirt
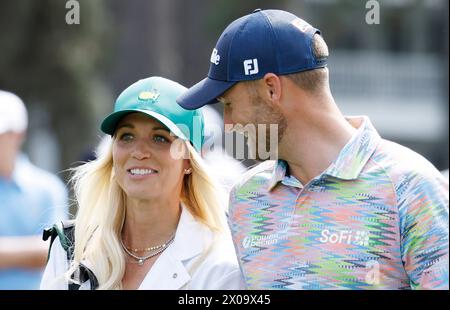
(376, 218)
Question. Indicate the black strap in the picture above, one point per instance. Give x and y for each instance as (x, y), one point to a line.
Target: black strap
(85, 274)
(67, 239)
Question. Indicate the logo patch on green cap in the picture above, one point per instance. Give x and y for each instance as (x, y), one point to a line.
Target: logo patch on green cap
(152, 96)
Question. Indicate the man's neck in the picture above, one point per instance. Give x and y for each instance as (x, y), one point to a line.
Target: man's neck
(313, 143)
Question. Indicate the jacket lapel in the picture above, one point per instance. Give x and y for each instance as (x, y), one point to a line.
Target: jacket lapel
(170, 271)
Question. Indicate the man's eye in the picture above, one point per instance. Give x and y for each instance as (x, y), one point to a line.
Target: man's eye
(126, 137)
(223, 101)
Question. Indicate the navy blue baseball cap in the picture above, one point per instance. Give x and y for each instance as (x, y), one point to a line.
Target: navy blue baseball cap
(265, 41)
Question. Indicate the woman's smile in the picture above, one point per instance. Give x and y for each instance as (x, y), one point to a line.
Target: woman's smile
(139, 173)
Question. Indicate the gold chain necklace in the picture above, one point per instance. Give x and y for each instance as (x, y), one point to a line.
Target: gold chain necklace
(152, 248)
(142, 259)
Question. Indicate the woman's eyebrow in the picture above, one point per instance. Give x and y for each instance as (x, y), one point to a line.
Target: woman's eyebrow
(125, 125)
(129, 125)
(161, 128)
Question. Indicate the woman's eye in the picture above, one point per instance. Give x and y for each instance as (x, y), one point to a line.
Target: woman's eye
(126, 137)
(160, 139)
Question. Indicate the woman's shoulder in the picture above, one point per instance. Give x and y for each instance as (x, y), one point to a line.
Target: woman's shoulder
(208, 255)
(217, 266)
(215, 245)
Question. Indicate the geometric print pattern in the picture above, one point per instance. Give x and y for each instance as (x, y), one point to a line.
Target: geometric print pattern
(377, 218)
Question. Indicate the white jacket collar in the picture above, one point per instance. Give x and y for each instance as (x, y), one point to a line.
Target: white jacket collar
(170, 271)
(188, 242)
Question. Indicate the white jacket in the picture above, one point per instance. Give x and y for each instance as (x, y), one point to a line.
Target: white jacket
(180, 266)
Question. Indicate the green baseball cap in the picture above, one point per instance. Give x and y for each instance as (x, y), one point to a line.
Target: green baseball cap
(155, 97)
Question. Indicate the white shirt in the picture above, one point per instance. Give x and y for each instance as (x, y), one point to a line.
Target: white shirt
(178, 267)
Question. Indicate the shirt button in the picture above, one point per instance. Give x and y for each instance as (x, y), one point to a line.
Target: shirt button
(175, 275)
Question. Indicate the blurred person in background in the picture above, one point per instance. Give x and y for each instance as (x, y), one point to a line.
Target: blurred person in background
(147, 217)
(224, 168)
(30, 199)
(340, 208)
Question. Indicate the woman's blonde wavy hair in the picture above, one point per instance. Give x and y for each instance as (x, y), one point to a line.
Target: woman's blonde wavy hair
(101, 214)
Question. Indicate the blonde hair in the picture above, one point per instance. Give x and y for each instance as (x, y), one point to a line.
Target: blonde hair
(101, 214)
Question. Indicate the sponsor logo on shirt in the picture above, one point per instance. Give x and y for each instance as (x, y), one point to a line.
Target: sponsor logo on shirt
(254, 241)
(345, 237)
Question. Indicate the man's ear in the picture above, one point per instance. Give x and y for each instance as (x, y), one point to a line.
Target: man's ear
(272, 87)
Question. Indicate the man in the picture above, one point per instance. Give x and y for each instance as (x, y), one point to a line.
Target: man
(30, 199)
(341, 208)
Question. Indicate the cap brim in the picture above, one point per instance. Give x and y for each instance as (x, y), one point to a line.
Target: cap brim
(109, 124)
(204, 92)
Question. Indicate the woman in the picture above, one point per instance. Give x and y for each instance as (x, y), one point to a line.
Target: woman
(149, 215)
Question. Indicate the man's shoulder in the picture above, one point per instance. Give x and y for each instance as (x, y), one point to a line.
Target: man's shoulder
(257, 176)
(398, 160)
(407, 169)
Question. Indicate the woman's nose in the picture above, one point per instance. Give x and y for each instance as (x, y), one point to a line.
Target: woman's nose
(141, 150)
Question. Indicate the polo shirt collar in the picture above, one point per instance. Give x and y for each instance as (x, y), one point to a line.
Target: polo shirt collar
(350, 161)
(356, 153)
(278, 173)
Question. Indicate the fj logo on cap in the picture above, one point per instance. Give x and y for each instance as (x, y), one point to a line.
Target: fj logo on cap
(215, 58)
(251, 66)
(149, 96)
